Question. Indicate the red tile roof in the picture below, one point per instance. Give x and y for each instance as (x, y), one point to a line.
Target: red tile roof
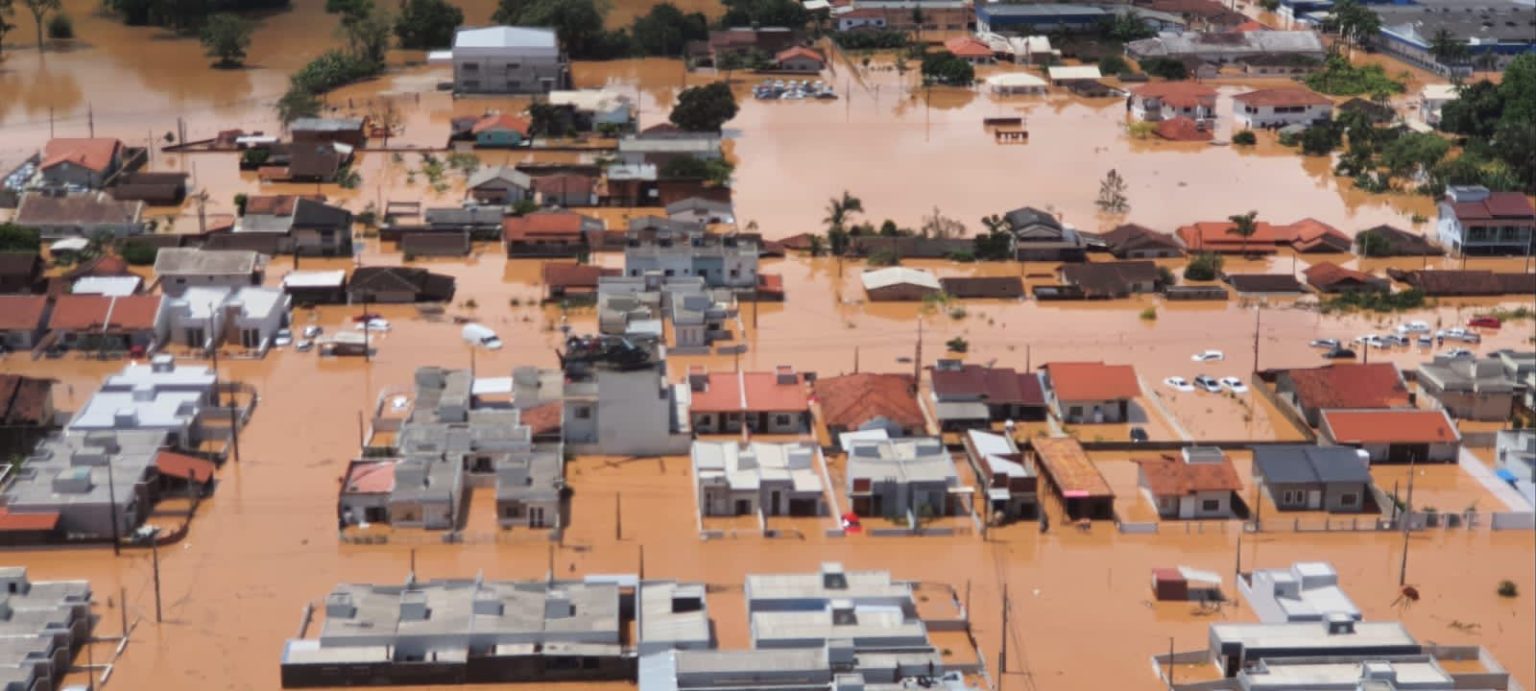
(88, 312)
(1325, 275)
(369, 477)
(1405, 426)
(22, 312)
(502, 122)
(544, 418)
(1182, 129)
(92, 154)
(854, 399)
(1092, 381)
(798, 52)
(184, 466)
(27, 522)
(565, 275)
(995, 385)
(564, 184)
(542, 224)
(968, 47)
(726, 392)
(1178, 94)
(1169, 475)
(1350, 385)
(1497, 205)
(1287, 96)
(25, 400)
(1308, 234)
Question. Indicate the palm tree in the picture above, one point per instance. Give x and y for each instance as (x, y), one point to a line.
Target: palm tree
(1244, 226)
(839, 211)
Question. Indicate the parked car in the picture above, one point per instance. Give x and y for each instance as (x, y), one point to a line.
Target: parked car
(304, 345)
(1139, 435)
(1413, 327)
(1208, 383)
(283, 338)
(313, 331)
(1179, 384)
(374, 325)
(1457, 333)
(1426, 342)
(1208, 356)
(478, 334)
(1485, 322)
(1325, 343)
(1396, 340)
(1234, 384)
(1460, 354)
(1340, 353)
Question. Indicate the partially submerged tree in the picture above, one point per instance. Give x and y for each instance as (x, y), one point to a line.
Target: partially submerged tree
(1244, 226)
(227, 37)
(40, 10)
(704, 108)
(1112, 197)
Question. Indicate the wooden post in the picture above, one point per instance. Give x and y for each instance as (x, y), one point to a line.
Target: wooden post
(1402, 573)
(234, 427)
(1002, 648)
(154, 549)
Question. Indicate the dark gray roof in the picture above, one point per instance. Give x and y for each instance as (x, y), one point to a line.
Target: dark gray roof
(308, 213)
(1304, 464)
(1026, 216)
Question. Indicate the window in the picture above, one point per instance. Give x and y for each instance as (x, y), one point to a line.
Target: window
(1075, 412)
(583, 413)
(471, 85)
(1210, 505)
(514, 84)
(196, 336)
(1349, 499)
(1290, 497)
(513, 65)
(781, 420)
(471, 67)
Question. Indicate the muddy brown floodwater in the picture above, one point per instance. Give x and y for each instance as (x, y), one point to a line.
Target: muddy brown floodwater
(266, 543)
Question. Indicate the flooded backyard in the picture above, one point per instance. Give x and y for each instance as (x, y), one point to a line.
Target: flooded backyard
(1081, 610)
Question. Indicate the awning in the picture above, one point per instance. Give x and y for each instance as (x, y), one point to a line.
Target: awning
(70, 245)
(182, 466)
(28, 522)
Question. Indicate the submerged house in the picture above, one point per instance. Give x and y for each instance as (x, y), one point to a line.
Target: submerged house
(1090, 392)
(1302, 477)
(1200, 482)
(746, 479)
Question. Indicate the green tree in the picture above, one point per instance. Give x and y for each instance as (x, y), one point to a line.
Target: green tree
(942, 67)
(40, 10)
(1203, 267)
(138, 252)
(785, 13)
(366, 29)
(704, 108)
(1447, 49)
(1369, 243)
(1167, 68)
(297, 103)
(1357, 24)
(227, 37)
(1244, 226)
(14, 238)
(1476, 110)
(1320, 139)
(1125, 27)
(1245, 138)
(427, 24)
(841, 209)
(695, 168)
(666, 30)
(1414, 153)
(578, 23)
(61, 27)
(1113, 64)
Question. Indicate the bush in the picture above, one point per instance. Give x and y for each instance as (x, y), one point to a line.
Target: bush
(957, 345)
(14, 238)
(883, 258)
(942, 67)
(1167, 68)
(1507, 588)
(1149, 314)
(1113, 64)
(61, 27)
(1321, 140)
(138, 253)
(1203, 267)
(1373, 301)
(884, 39)
(1340, 77)
(1245, 138)
(333, 69)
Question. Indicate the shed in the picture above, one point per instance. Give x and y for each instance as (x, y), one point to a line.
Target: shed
(898, 283)
(1180, 584)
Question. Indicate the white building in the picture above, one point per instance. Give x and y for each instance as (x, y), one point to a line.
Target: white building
(612, 405)
(1434, 97)
(159, 395)
(1307, 591)
(249, 317)
(180, 268)
(1272, 108)
(904, 477)
(506, 60)
(721, 260)
(736, 479)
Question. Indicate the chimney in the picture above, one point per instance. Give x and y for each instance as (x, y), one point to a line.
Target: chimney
(340, 606)
(413, 606)
(785, 375)
(1340, 623)
(698, 378)
(162, 363)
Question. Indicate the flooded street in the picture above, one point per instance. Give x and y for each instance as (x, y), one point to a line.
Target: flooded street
(1082, 615)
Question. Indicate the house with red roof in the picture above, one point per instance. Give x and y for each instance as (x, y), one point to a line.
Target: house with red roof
(1342, 386)
(1278, 107)
(1159, 101)
(548, 234)
(1397, 435)
(1328, 277)
(763, 402)
(562, 279)
(106, 322)
(85, 162)
(964, 396)
(1473, 220)
(1199, 482)
(499, 130)
(1307, 236)
(565, 190)
(870, 401)
(970, 49)
(799, 59)
(1090, 392)
(365, 490)
(21, 320)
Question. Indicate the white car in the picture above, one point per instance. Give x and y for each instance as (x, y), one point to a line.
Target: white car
(1373, 340)
(1413, 327)
(1325, 343)
(1179, 384)
(374, 325)
(1208, 356)
(283, 337)
(1234, 384)
(1208, 383)
(1460, 354)
(313, 331)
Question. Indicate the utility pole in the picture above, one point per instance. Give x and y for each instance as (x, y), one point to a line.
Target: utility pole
(1237, 571)
(1402, 573)
(1002, 648)
(917, 359)
(362, 436)
(855, 359)
(117, 549)
(234, 427)
(50, 122)
(90, 118)
(1170, 663)
(366, 336)
(154, 550)
(618, 518)
(1258, 316)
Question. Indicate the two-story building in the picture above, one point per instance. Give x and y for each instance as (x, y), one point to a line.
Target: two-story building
(1475, 221)
(508, 60)
(1278, 107)
(723, 261)
(762, 402)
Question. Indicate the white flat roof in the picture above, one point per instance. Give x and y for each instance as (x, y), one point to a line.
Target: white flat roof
(315, 279)
(897, 275)
(117, 286)
(1075, 72)
(505, 37)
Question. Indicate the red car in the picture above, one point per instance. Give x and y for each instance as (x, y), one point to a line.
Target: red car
(1485, 322)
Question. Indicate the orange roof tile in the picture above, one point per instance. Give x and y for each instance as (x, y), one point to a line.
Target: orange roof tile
(184, 466)
(84, 312)
(27, 522)
(566, 275)
(1349, 385)
(546, 224)
(1182, 94)
(854, 399)
(502, 122)
(544, 418)
(1405, 426)
(370, 477)
(793, 52)
(968, 47)
(1169, 475)
(1182, 129)
(726, 392)
(1092, 381)
(1286, 96)
(92, 154)
(22, 312)
(1073, 473)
